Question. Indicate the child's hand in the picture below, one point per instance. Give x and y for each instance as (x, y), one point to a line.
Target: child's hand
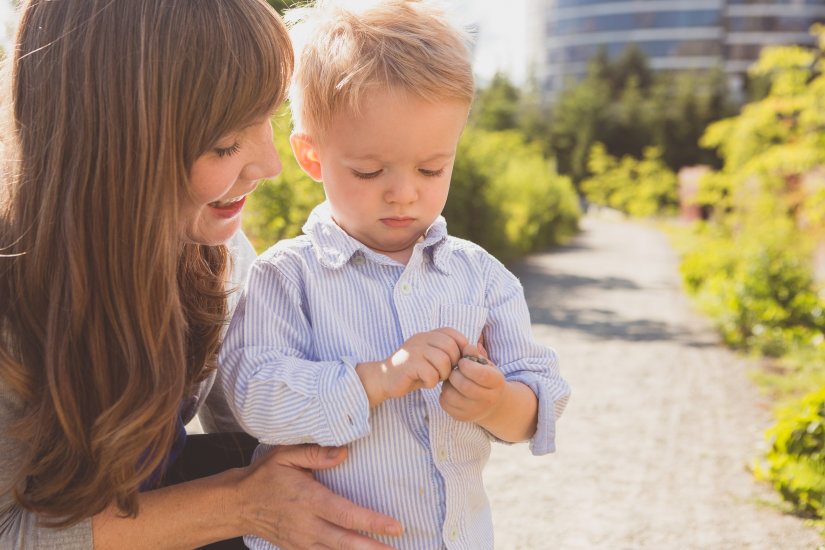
(474, 390)
(423, 361)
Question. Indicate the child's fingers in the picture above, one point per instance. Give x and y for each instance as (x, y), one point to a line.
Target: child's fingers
(480, 371)
(435, 366)
(476, 352)
(481, 349)
(455, 341)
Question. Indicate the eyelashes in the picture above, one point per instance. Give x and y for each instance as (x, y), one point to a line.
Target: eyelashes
(366, 176)
(373, 175)
(432, 173)
(228, 151)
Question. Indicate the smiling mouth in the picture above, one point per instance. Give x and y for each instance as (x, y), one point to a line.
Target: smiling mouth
(227, 203)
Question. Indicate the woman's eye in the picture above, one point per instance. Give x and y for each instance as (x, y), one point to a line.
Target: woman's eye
(432, 173)
(366, 175)
(227, 151)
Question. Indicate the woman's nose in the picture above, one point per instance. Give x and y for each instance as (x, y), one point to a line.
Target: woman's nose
(265, 162)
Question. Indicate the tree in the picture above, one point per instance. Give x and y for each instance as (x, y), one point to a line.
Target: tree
(623, 105)
(497, 106)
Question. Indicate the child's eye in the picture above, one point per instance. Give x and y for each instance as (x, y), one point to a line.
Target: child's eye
(367, 175)
(227, 151)
(432, 173)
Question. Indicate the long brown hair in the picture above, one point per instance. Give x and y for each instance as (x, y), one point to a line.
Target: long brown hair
(107, 318)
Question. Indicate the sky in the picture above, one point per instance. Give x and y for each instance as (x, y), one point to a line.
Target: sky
(500, 42)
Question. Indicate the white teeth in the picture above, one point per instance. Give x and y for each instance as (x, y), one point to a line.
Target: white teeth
(226, 204)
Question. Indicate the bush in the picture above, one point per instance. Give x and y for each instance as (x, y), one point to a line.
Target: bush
(638, 187)
(758, 287)
(279, 207)
(796, 457)
(506, 197)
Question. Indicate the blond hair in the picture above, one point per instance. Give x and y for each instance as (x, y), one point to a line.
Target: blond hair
(346, 49)
(107, 318)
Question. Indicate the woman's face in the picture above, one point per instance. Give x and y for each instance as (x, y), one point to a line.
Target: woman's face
(223, 177)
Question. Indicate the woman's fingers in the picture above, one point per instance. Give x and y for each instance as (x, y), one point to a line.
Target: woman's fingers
(342, 513)
(305, 514)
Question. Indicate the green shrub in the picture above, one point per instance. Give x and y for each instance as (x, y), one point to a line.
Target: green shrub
(279, 207)
(751, 265)
(758, 287)
(506, 197)
(639, 187)
(796, 458)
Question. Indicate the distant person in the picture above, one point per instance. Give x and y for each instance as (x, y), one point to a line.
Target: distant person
(363, 331)
(132, 132)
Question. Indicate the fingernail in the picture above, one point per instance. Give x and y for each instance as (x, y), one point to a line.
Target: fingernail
(333, 452)
(393, 530)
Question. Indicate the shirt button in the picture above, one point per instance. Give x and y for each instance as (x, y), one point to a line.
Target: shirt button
(453, 534)
(406, 289)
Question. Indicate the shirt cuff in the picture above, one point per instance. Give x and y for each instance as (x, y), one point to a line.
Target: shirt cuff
(344, 403)
(544, 440)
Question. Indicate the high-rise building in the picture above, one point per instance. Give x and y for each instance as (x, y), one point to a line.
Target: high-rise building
(673, 34)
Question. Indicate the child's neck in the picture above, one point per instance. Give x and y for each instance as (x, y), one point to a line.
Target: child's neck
(401, 256)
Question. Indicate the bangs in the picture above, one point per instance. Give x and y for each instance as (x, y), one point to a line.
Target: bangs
(260, 60)
(247, 64)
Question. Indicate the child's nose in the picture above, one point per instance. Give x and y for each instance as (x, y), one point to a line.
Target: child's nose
(402, 190)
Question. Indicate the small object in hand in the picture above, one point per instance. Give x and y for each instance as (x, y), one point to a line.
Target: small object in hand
(477, 359)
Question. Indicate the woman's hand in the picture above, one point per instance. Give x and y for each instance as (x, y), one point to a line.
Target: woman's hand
(286, 506)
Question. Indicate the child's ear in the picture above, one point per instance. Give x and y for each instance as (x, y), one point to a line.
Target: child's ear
(306, 155)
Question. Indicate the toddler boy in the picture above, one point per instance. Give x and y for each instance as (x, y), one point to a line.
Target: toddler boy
(365, 330)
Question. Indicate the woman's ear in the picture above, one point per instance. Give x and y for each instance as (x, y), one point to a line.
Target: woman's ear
(306, 155)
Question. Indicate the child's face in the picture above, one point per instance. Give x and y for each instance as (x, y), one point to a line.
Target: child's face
(387, 172)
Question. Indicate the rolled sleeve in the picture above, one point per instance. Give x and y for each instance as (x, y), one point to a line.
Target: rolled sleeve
(277, 390)
(552, 395)
(510, 342)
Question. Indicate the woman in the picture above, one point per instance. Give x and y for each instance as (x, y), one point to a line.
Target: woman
(134, 131)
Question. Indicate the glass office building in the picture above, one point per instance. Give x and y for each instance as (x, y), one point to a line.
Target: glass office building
(673, 34)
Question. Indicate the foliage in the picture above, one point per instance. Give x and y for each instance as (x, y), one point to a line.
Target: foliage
(506, 197)
(796, 456)
(279, 207)
(639, 187)
(283, 5)
(750, 265)
(496, 107)
(503, 106)
(758, 288)
(627, 108)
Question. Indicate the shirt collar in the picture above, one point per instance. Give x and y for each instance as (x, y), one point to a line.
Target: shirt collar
(334, 247)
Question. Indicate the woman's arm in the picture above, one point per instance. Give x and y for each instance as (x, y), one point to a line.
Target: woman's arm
(276, 498)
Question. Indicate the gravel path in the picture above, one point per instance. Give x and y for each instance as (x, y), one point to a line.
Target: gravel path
(654, 447)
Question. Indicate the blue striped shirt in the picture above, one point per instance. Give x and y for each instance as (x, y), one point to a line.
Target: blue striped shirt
(317, 305)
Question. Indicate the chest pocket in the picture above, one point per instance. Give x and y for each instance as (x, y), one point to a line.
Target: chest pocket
(466, 319)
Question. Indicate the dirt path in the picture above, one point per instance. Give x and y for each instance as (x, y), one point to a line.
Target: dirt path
(654, 447)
